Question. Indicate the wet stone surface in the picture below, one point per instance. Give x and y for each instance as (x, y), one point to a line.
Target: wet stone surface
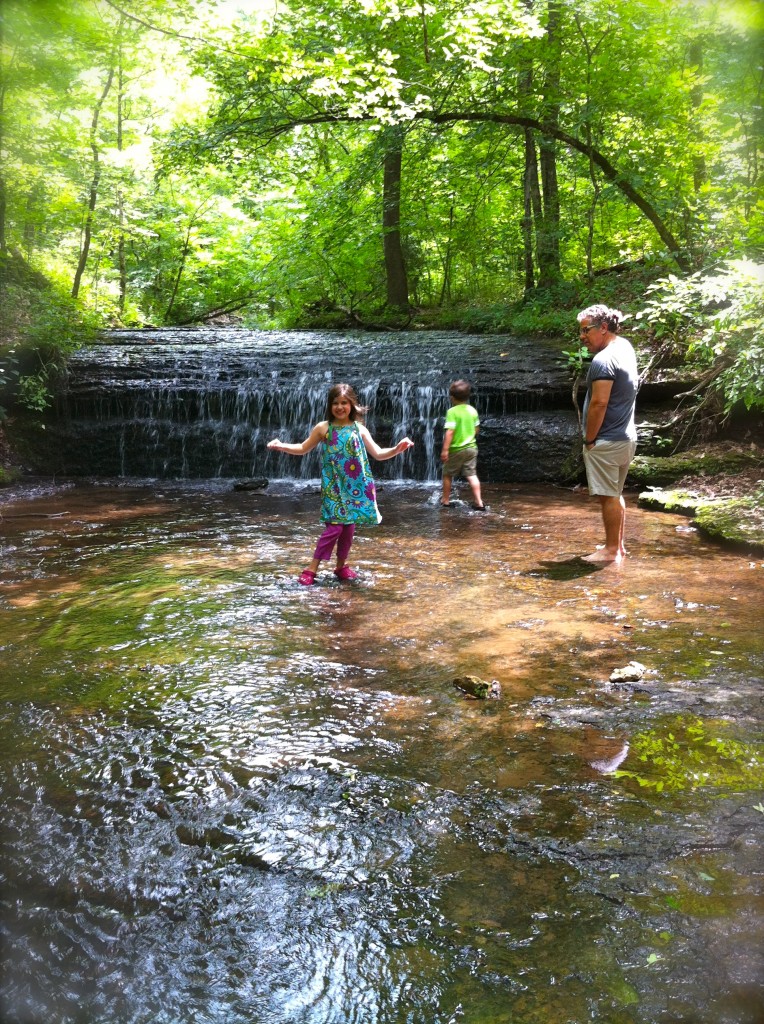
(230, 798)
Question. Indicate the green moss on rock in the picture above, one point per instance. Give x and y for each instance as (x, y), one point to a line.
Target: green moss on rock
(9, 475)
(659, 470)
(681, 503)
(734, 522)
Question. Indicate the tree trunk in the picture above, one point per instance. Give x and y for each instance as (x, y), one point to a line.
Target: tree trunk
(445, 291)
(3, 200)
(181, 267)
(531, 208)
(548, 235)
(121, 265)
(700, 171)
(531, 195)
(395, 265)
(93, 199)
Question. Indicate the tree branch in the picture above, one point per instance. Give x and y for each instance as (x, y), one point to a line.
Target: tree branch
(274, 129)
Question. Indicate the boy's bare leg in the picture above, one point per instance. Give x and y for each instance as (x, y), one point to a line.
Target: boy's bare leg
(446, 495)
(475, 488)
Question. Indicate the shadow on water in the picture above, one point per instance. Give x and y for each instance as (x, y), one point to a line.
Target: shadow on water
(567, 569)
(229, 798)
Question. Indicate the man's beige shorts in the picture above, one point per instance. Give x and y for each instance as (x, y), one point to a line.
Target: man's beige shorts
(607, 464)
(462, 461)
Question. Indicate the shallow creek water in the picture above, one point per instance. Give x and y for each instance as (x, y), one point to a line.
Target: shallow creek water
(229, 798)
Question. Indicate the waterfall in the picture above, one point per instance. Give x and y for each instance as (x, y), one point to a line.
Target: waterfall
(203, 403)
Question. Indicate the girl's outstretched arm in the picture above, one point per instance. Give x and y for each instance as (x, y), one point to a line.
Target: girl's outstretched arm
(317, 434)
(380, 454)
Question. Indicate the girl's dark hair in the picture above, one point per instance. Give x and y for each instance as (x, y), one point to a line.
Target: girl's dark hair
(345, 391)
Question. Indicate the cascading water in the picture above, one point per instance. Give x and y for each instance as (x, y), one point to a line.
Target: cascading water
(203, 403)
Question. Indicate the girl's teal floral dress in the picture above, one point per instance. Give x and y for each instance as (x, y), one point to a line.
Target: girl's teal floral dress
(348, 494)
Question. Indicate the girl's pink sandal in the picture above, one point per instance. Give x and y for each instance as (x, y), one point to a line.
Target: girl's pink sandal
(307, 578)
(345, 573)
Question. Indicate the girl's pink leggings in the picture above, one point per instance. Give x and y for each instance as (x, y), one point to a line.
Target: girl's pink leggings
(340, 534)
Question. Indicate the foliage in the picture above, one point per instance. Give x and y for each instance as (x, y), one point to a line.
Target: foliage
(237, 163)
(691, 753)
(41, 327)
(716, 319)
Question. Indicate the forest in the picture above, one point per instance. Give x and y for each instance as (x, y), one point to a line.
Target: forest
(477, 164)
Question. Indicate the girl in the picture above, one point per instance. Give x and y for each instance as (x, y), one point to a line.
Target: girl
(348, 495)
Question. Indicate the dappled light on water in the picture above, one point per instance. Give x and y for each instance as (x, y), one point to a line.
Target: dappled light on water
(231, 798)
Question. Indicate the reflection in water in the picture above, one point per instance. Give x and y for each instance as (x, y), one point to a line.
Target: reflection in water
(609, 764)
(229, 798)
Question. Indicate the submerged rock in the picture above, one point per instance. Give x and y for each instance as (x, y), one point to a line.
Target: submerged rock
(478, 688)
(630, 673)
(257, 484)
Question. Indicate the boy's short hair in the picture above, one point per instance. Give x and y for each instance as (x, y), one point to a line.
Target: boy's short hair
(460, 390)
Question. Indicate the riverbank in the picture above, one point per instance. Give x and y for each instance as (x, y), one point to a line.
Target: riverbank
(720, 487)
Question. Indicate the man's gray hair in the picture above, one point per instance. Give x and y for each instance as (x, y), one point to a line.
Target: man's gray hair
(600, 315)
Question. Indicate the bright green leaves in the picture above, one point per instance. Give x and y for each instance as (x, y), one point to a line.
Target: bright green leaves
(694, 753)
(718, 319)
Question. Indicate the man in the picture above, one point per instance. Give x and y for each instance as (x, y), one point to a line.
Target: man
(610, 436)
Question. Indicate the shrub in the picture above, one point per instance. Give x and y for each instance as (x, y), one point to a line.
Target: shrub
(717, 320)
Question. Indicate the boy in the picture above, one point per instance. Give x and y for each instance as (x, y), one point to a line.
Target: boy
(459, 452)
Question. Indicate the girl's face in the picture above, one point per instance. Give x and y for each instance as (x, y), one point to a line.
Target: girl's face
(341, 410)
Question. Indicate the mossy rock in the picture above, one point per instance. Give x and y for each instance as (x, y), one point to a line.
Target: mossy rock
(659, 470)
(735, 522)
(9, 475)
(680, 503)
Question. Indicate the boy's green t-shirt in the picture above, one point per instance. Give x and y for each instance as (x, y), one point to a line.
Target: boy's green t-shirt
(464, 421)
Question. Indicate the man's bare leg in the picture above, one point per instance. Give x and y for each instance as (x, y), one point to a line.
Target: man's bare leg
(621, 549)
(613, 517)
(446, 495)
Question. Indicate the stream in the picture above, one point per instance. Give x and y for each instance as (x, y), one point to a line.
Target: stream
(229, 799)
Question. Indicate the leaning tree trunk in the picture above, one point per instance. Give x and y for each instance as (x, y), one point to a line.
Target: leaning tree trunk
(395, 264)
(93, 198)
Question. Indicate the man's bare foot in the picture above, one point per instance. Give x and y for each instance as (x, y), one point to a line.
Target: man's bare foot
(603, 555)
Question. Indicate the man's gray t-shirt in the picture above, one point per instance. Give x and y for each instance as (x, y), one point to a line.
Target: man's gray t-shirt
(616, 362)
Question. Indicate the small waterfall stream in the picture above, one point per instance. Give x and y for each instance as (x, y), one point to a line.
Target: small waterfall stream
(203, 403)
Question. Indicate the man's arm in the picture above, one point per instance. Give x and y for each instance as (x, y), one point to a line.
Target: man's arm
(595, 414)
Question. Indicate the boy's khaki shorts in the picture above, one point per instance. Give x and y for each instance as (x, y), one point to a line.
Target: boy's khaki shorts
(607, 465)
(464, 461)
